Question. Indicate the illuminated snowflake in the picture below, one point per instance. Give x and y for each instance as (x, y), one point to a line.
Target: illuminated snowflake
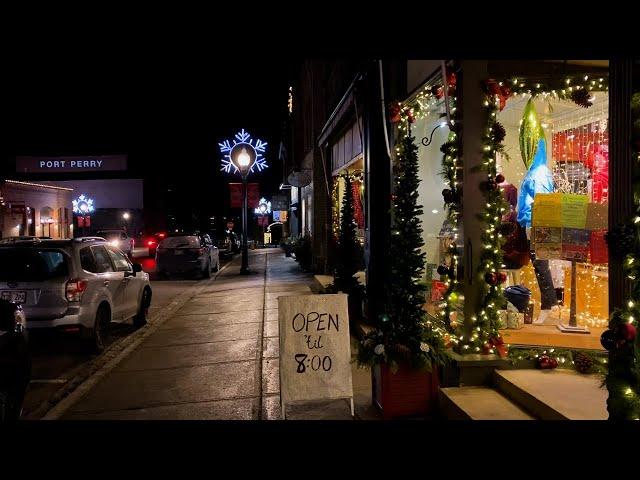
(82, 205)
(243, 138)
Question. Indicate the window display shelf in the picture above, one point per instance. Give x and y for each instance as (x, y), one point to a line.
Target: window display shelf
(550, 336)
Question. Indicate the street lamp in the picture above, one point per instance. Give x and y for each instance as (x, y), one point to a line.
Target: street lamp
(243, 156)
(126, 215)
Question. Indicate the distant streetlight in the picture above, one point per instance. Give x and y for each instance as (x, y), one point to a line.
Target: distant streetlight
(242, 157)
(126, 215)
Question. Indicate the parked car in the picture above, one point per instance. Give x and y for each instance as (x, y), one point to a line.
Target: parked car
(77, 285)
(15, 361)
(22, 238)
(151, 242)
(118, 238)
(182, 253)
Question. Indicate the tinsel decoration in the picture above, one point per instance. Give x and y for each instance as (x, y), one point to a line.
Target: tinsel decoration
(582, 98)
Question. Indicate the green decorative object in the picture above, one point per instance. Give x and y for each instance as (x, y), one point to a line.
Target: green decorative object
(531, 132)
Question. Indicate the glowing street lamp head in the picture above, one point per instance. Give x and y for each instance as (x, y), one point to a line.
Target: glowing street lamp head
(126, 215)
(244, 159)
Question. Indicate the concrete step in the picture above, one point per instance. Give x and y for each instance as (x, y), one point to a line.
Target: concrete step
(479, 403)
(554, 394)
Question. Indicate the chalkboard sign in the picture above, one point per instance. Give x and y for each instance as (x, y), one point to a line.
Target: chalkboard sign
(315, 348)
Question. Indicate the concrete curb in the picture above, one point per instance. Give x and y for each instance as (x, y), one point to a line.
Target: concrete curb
(82, 383)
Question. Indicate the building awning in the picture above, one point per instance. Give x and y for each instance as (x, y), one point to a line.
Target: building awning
(344, 108)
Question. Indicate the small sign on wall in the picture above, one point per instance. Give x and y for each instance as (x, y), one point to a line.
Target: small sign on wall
(315, 349)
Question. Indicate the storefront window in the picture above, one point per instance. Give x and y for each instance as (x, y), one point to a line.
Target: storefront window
(431, 132)
(554, 176)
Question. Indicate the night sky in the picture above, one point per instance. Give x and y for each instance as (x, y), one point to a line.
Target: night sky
(166, 108)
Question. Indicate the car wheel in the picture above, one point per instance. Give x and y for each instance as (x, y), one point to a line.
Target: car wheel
(95, 336)
(140, 319)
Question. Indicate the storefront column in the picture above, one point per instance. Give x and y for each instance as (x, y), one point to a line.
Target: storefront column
(377, 190)
(620, 166)
(473, 126)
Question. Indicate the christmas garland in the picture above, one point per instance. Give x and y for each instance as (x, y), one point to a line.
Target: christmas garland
(485, 336)
(583, 361)
(621, 339)
(405, 115)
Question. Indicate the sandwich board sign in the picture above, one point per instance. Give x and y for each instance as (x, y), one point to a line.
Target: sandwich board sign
(315, 349)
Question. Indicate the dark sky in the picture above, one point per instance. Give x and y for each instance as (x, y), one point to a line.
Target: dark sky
(167, 108)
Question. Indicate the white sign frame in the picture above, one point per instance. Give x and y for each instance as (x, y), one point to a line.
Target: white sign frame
(308, 323)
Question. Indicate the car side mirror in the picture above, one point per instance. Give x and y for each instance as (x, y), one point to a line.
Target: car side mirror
(137, 268)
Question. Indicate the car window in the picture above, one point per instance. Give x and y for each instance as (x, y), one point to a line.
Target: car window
(87, 262)
(119, 260)
(180, 242)
(22, 264)
(102, 260)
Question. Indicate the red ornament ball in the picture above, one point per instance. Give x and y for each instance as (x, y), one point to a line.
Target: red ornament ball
(626, 331)
(491, 278)
(500, 178)
(553, 363)
(544, 362)
(608, 340)
(502, 277)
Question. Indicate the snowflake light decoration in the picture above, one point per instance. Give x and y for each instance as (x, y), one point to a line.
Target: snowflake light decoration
(83, 205)
(243, 139)
(266, 207)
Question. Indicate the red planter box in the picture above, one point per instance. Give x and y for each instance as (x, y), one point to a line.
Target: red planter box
(408, 392)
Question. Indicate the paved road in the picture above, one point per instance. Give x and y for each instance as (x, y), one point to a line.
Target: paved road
(57, 358)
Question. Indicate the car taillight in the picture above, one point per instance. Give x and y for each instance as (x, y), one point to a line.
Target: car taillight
(75, 289)
(150, 243)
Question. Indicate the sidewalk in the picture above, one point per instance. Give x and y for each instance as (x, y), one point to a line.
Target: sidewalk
(217, 357)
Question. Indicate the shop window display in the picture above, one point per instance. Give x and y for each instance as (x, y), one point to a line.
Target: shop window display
(554, 178)
(439, 232)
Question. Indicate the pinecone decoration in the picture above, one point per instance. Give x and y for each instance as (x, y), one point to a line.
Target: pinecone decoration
(581, 97)
(499, 133)
(621, 240)
(582, 362)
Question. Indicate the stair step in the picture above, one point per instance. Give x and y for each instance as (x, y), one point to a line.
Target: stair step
(555, 394)
(479, 403)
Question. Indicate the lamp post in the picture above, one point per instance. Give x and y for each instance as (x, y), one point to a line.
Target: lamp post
(243, 156)
(244, 161)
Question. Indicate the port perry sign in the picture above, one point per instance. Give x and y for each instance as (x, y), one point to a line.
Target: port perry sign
(315, 349)
(71, 164)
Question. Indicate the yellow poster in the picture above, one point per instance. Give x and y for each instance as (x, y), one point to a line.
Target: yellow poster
(547, 210)
(574, 210)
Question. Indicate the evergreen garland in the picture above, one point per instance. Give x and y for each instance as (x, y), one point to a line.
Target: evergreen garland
(403, 335)
(622, 341)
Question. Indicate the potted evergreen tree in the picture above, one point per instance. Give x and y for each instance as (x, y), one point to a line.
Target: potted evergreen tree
(406, 347)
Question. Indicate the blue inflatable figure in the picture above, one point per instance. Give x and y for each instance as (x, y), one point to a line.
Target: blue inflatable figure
(537, 180)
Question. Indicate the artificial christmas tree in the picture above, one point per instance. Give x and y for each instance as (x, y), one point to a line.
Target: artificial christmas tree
(405, 346)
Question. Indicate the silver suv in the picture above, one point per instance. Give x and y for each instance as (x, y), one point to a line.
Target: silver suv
(76, 285)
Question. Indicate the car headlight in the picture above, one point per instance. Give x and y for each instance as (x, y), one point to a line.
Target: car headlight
(114, 243)
(20, 319)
